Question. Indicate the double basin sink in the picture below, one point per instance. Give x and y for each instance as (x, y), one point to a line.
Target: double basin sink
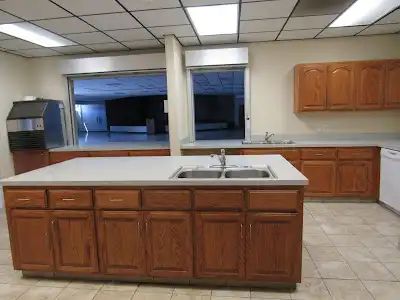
(228, 172)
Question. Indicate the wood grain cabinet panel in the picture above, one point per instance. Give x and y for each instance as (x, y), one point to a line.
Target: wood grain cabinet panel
(74, 241)
(30, 240)
(318, 153)
(167, 199)
(70, 199)
(153, 152)
(356, 153)
(340, 86)
(218, 199)
(117, 199)
(29, 160)
(113, 153)
(57, 157)
(392, 87)
(369, 84)
(273, 247)
(169, 244)
(220, 245)
(321, 176)
(25, 198)
(310, 91)
(355, 178)
(121, 242)
(274, 201)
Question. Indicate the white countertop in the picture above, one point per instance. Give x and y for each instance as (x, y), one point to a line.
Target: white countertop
(152, 171)
(114, 146)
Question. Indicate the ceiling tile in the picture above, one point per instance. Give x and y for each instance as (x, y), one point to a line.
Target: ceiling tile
(298, 34)
(65, 25)
(146, 4)
(381, 29)
(89, 38)
(112, 21)
(7, 18)
(340, 31)
(73, 49)
(258, 37)
(108, 47)
(207, 2)
(162, 17)
(90, 7)
(6, 37)
(33, 10)
(309, 22)
(262, 25)
(130, 34)
(143, 44)
(218, 39)
(318, 7)
(18, 44)
(189, 41)
(40, 52)
(267, 9)
(394, 17)
(179, 31)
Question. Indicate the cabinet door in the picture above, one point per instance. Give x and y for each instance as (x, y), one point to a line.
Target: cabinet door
(340, 86)
(321, 177)
(29, 160)
(220, 245)
(169, 244)
(121, 242)
(74, 241)
(370, 84)
(274, 247)
(392, 99)
(310, 92)
(30, 240)
(355, 178)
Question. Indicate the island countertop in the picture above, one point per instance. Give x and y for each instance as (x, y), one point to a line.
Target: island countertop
(153, 171)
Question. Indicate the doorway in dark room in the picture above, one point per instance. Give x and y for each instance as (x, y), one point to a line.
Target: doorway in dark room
(121, 109)
(218, 98)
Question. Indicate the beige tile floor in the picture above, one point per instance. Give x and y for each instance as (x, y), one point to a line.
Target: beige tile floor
(350, 253)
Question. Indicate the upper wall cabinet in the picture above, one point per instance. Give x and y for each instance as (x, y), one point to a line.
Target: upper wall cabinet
(364, 85)
(310, 92)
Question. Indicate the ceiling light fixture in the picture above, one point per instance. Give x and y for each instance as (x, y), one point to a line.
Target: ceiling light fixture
(214, 20)
(35, 34)
(365, 12)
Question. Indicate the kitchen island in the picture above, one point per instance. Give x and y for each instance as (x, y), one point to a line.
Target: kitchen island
(134, 218)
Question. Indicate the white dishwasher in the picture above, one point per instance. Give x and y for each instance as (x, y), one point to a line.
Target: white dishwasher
(390, 179)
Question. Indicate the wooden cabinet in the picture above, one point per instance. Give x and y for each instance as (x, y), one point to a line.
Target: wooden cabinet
(273, 247)
(74, 241)
(310, 91)
(369, 84)
(340, 86)
(29, 160)
(113, 153)
(321, 176)
(169, 244)
(355, 178)
(392, 87)
(30, 240)
(220, 245)
(57, 157)
(152, 152)
(121, 242)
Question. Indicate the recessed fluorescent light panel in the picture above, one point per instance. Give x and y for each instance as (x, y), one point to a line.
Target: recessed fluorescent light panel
(35, 34)
(365, 12)
(215, 19)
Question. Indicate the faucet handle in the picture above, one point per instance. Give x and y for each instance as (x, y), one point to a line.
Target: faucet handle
(222, 151)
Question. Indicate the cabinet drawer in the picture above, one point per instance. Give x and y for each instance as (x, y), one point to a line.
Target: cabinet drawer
(115, 153)
(274, 201)
(289, 154)
(356, 153)
(318, 153)
(166, 199)
(117, 199)
(25, 198)
(70, 199)
(218, 199)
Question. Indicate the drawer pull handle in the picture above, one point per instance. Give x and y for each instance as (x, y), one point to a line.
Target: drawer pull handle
(116, 200)
(241, 231)
(318, 154)
(250, 227)
(23, 199)
(68, 199)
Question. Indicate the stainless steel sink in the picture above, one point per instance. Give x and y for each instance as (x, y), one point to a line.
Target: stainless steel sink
(199, 174)
(247, 173)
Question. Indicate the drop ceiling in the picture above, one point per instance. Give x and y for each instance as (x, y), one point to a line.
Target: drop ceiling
(123, 25)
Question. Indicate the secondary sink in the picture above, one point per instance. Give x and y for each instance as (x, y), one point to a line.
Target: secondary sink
(251, 173)
(200, 174)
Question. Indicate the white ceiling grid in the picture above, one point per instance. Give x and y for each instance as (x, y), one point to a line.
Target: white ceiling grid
(118, 25)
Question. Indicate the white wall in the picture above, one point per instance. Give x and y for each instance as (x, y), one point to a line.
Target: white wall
(272, 85)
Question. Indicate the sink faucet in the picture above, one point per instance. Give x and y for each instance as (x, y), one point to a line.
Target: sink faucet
(221, 158)
(268, 136)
